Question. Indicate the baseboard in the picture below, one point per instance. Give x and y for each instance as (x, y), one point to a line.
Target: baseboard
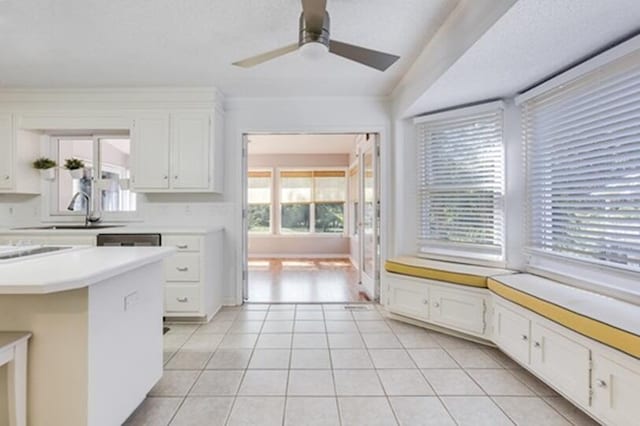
(298, 256)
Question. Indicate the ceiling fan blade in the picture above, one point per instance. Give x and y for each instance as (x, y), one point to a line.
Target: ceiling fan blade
(264, 57)
(313, 12)
(371, 58)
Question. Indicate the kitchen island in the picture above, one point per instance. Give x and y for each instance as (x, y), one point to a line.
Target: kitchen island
(96, 319)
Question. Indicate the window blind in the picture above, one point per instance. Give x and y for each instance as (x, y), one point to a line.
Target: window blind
(582, 143)
(460, 183)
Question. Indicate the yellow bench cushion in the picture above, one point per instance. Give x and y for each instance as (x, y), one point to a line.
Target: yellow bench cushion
(469, 275)
(616, 324)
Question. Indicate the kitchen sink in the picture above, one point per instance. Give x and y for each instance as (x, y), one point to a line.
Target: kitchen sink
(67, 227)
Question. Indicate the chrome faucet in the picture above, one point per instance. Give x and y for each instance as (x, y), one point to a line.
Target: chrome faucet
(88, 217)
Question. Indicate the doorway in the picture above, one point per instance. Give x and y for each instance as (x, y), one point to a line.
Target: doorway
(311, 218)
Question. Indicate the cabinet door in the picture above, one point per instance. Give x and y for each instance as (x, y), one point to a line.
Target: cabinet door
(561, 361)
(458, 309)
(616, 389)
(409, 298)
(6, 151)
(511, 332)
(190, 150)
(150, 149)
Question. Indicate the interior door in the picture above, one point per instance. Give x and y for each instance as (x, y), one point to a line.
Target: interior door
(245, 219)
(370, 216)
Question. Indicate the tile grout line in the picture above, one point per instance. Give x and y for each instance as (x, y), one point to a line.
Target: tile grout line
(333, 378)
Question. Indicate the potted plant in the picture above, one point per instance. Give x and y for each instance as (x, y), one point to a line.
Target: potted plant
(46, 167)
(75, 167)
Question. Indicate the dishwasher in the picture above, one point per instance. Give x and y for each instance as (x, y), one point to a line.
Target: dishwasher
(129, 240)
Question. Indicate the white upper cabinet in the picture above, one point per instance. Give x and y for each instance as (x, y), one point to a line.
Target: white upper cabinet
(18, 150)
(150, 152)
(190, 150)
(177, 152)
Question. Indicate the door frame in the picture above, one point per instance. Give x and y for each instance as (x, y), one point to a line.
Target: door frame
(384, 190)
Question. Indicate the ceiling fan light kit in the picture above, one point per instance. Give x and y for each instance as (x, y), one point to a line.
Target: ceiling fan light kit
(314, 41)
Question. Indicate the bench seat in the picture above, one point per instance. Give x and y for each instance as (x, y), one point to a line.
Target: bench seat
(455, 273)
(606, 320)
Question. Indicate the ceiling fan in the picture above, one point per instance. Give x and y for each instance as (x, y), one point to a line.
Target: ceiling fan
(314, 39)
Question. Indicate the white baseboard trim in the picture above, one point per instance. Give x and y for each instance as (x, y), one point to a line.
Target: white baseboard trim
(299, 256)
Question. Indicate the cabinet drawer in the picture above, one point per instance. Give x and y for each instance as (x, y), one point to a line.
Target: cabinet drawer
(186, 243)
(616, 387)
(512, 332)
(183, 267)
(182, 298)
(561, 361)
(409, 298)
(458, 309)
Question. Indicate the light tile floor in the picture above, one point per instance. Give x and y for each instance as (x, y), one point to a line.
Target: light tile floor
(319, 364)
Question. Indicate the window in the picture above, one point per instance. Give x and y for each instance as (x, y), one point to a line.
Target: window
(460, 183)
(105, 176)
(259, 194)
(312, 201)
(583, 173)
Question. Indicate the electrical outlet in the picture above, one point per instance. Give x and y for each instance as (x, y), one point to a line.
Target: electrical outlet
(187, 209)
(130, 301)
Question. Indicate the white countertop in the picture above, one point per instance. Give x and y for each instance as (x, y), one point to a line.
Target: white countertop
(73, 269)
(126, 229)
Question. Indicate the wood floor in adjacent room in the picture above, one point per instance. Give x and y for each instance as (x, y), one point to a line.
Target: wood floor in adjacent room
(303, 281)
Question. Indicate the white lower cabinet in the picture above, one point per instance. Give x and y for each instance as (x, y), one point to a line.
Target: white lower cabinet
(512, 332)
(616, 390)
(562, 361)
(408, 297)
(193, 275)
(459, 309)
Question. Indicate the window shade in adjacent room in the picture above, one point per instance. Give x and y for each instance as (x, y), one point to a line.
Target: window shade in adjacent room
(460, 182)
(583, 167)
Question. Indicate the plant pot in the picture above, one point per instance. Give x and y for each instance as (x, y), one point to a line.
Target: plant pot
(77, 173)
(48, 174)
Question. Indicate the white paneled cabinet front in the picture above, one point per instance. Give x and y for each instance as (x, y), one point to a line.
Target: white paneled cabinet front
(150, 153)
(616, 390)
(512, 332)
(174, 152)
(190, 150)
(408, 297)
(562, 361)
(463, 310)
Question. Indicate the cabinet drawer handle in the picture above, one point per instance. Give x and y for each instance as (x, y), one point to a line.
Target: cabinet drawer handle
(425, 301)
(525, 337)
(7, 177)
(536, 344)
(182, 246)
(165, 177)
(182, 268)
(601, 383)
(436, 305)
(184, 299)
(175, 177)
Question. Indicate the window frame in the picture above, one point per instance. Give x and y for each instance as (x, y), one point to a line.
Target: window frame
(590, 274)
(312, 204)
(50, 199)
(272, 188)
(469, 253)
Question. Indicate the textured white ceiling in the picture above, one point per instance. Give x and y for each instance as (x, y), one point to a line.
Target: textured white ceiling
(125, 43)
(533, 40)
(301, 144)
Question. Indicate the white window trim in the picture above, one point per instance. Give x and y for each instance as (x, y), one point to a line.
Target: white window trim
(477, 258)
(619, 283)
(50, 212)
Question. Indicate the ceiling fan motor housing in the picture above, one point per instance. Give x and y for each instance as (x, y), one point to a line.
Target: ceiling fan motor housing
(313, 35)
